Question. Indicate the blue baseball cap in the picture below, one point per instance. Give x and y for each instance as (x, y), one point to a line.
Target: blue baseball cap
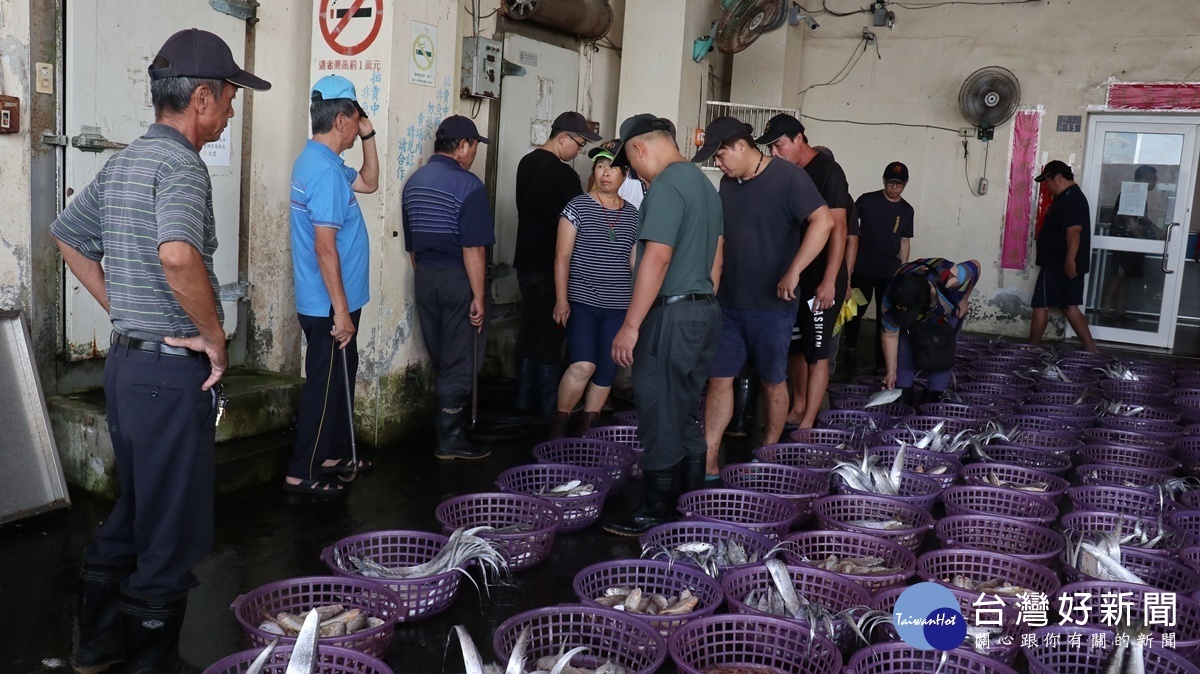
(457, 127)
(333, 87)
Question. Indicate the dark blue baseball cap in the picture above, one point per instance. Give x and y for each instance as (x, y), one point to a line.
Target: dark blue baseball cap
(457, 127)
(636, 126)
(198, 53)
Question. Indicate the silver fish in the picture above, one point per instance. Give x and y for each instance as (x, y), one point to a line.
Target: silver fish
(257, 666)
(783, 584)
(884, 397)
(304, 653)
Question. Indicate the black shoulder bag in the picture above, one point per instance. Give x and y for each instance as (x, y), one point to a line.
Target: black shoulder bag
(933, 346)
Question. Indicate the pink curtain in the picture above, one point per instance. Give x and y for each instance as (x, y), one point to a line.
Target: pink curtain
(1018, 212)
(1162, 96)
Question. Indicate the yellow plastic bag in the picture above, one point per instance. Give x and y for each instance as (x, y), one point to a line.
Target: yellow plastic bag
(849, 308)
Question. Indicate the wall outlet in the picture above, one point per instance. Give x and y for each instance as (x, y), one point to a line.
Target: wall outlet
(982, 186)
(968, 132)
(45, 78)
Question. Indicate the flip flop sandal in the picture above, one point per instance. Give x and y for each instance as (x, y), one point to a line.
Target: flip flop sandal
(320, 488)
(345, 467)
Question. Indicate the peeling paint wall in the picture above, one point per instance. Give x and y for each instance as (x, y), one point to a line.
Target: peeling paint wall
(1063, 52)
(15, 231)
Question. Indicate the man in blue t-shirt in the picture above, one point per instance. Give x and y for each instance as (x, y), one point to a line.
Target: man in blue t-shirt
(447, 229)
(330, 265)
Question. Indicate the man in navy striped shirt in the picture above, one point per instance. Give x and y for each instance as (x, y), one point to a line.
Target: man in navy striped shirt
(447, 229)
(148, 216)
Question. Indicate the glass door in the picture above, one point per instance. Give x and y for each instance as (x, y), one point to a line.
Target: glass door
(1139, 180)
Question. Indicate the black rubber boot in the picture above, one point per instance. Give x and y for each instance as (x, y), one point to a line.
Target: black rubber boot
(150, 627)
(741, 407)
(547, 389)
(99, 613)
(906, 396)
(587, 421)
(526, 399)
(450, 423)
(660, 492)
(693, 472)
(558, 428)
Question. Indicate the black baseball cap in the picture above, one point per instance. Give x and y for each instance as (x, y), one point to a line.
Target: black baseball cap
(605, 150)
(199, 53)
(779, 126)
(575, 123)
(457, 127)
(895, 172)
(1055, 168)
(718, 131)
(909, 296)
(636, 126)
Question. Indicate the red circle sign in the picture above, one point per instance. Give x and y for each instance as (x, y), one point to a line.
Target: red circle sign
(333, 24)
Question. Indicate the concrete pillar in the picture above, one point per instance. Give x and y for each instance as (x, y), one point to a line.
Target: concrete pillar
(768, 71)
(657, 71)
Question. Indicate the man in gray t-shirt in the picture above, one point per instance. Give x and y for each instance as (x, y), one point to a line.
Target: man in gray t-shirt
(671, 326)
(776, 224)
(140, 238)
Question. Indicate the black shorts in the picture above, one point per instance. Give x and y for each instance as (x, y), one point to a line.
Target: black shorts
(813, 332)
(1054, 289)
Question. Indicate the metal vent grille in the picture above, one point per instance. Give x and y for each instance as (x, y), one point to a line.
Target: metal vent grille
(754, 115)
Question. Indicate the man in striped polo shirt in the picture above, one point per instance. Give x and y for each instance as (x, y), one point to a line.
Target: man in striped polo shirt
(148, 216)
(447, 229)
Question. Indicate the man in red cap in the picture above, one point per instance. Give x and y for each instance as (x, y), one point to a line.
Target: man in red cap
(141, 237)
(1064, 253)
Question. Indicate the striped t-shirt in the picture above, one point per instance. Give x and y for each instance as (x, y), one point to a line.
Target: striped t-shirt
(600, 274)
(154, 191)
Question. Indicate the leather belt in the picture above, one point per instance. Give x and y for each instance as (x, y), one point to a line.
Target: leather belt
(154, 347)
(663, 300)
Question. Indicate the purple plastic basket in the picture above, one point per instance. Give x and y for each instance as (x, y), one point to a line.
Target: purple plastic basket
(1113, 436)
(626, 436)
(1133, 502)
(895, 410)
(1131, 457)
(916, 490)
(1009, 380)
(296, 595)
(1111, 475)
(856, 421)
(980, 474)
(1118, 388)
(970, 413)
(1057, 443)
(1190, 499)
(330, 660)
(652, 577)
(1003, 649)
(942, 566)
(814, 457)
(1098, 522)
(925, 423)
(1029, 457)
(999, 502)
(796, 485)
(1053, 653)
(900, 658)
(1159, 430)
(833, 437)
(996, 405)
(1075, 388)
(1063, 399)
(1003, 390)
(1031, 542)
(761, 513)
(536, 479)
(1193, 430)
(626, 417)
(754, 642)
(812, 548)
(940, 467)
(1189, 460)
(617, 461)
(851, 390)
(421, 597)
(849, 513)
(607, 634)
(1191, 556)
(1042, 424)
(522, 549)
(833, 592)
(1159, 572)
(666, 536)
(1187, 612)
(1079, 416)
(1187, 522)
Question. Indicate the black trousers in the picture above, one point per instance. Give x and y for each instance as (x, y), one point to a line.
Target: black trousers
(869, 285)
(444, 306)
(539, 339)
(671, 361)
(323, 420)
(163, 429)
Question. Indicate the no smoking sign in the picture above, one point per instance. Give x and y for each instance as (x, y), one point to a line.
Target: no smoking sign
(349, 27)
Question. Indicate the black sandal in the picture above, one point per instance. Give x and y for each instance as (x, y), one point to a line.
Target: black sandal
(322, 488)
(345, 467)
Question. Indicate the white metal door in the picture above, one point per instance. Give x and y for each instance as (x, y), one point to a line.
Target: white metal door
(1139, 180)
(108, 48)
(528, 105)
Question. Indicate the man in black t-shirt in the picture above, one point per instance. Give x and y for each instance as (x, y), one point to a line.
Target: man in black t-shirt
(1064, 251)
(825, 281)
(545, 183)
(776, 224)
(885, 222)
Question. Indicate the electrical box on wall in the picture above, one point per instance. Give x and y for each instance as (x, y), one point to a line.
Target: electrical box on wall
(10, 114)
(481, 67)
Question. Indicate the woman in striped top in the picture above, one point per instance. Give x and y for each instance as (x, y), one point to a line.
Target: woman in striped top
(593, 281)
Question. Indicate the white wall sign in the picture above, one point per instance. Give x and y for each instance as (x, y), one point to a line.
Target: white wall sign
(422, 55)
(217, 152)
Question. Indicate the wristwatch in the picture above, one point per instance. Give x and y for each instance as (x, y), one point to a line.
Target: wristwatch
(368, 136)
